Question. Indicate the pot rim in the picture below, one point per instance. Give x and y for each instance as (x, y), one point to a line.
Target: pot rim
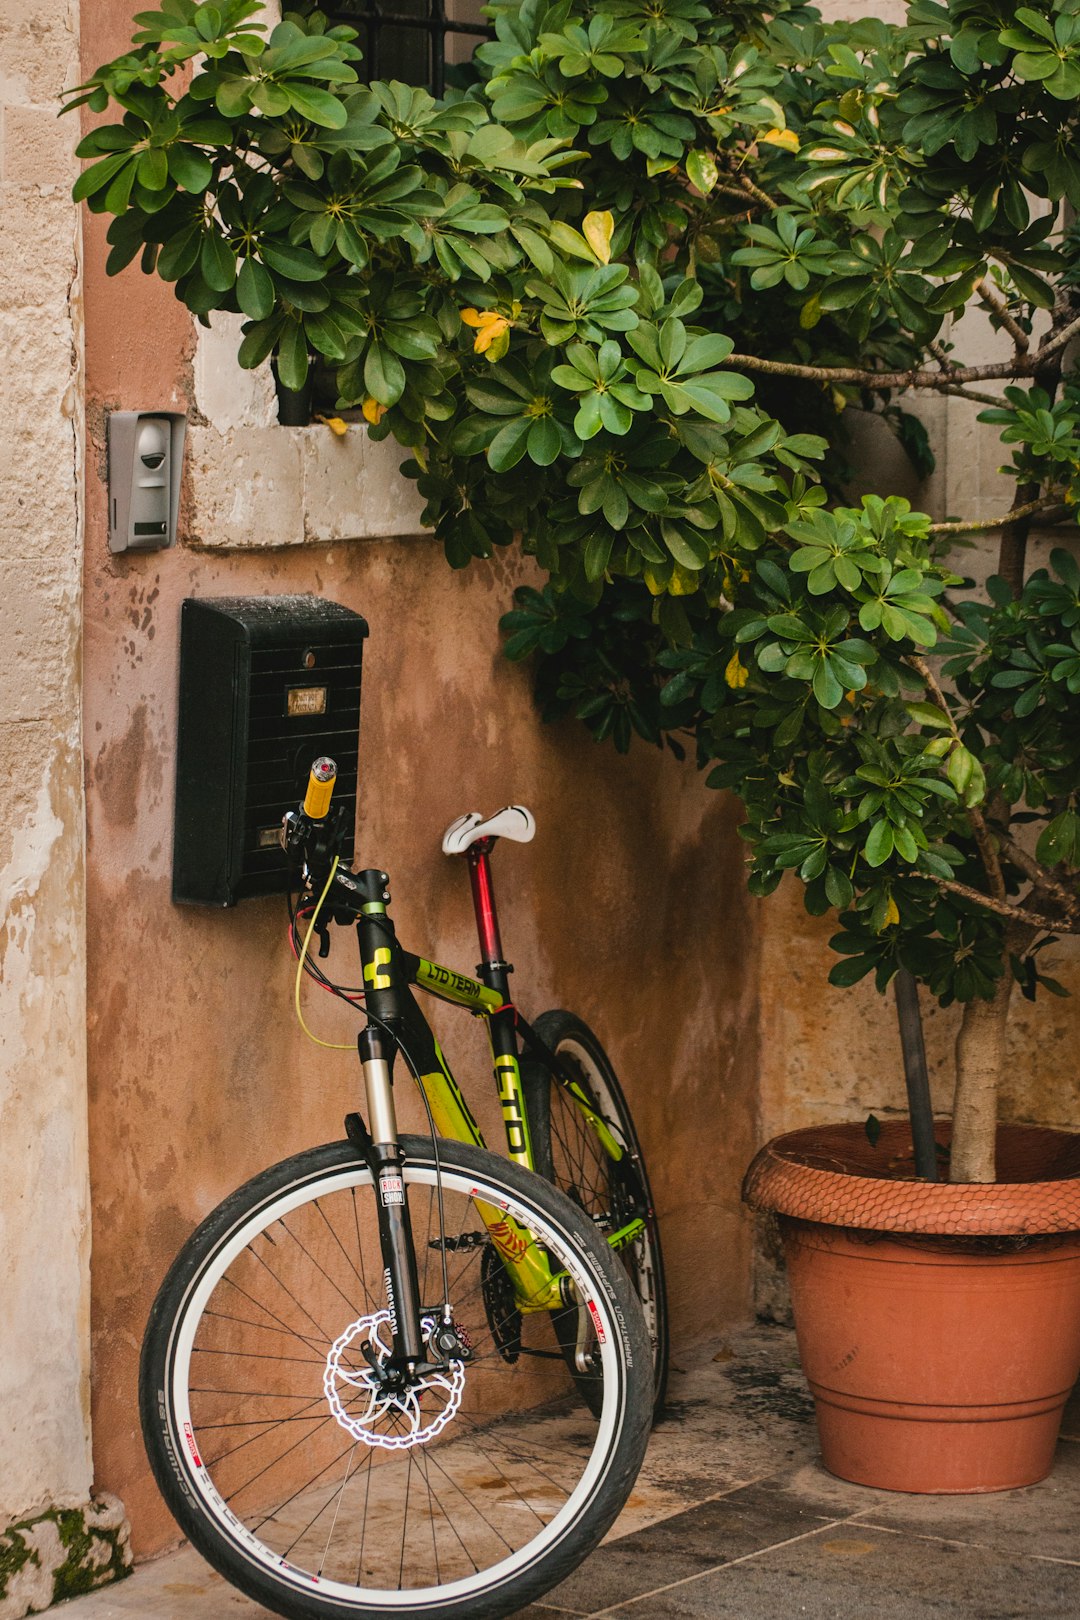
(1041, 1200)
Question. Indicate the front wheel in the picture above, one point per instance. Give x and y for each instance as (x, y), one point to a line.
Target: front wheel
(612, 1192)
(319, 1494)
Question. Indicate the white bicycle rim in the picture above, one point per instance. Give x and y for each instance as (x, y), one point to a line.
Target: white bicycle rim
(248, 1545)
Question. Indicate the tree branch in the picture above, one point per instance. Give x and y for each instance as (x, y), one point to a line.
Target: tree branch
(1001, 908)
(962, 526)
(745, 197)
(941, 355)
(960, 392)
(748, 187)
(984, 838)
(1055, 342)
(1021, 365)
(1040, 879)
(997, 307)
(884, 379)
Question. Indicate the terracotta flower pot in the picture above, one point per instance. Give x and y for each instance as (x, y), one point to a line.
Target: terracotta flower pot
(938, 1325)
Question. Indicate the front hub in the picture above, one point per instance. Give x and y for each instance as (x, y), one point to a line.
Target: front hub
(383, 1406)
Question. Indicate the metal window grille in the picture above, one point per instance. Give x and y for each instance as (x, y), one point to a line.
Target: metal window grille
(410, 40)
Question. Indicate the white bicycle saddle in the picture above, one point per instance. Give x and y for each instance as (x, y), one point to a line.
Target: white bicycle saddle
(512, 822)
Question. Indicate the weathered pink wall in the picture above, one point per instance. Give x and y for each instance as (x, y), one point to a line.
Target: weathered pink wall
(629, 906)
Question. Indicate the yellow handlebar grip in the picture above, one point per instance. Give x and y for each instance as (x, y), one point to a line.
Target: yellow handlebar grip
(320, 788)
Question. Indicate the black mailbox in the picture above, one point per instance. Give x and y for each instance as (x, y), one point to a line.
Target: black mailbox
(267, 683)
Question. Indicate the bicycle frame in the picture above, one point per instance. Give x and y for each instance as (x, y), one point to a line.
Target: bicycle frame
(389, 975)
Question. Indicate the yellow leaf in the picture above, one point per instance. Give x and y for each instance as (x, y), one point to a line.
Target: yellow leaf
(598, 228)
(736, 674)
(892, 914)
(657, 586)
(497, 346)
(335, 424)
(373, 411)
(683, 582)
(475, 317)
(490, 332)
(786, 138)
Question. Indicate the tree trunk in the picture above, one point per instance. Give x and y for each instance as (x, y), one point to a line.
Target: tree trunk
(980, 1059)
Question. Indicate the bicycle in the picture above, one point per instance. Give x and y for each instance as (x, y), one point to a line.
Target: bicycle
(400, 1376)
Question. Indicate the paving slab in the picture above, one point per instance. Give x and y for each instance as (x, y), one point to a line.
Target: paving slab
(734, 1518)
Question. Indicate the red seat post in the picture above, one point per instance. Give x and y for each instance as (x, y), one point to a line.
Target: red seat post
(487, 919)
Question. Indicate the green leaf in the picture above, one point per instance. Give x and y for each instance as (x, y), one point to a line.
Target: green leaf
(294, 262)
(850, 971)
(98, 175)
(702, 171)
(928, 714)
(180, 253)
(318, 106)
(153, 169)
(384, 375)
(1059, 842)
(509, 444)
(254, 290)
(292, 360)
(190, 168)
(217, 262)
(544, 441)
(879, 843)
(966, 775)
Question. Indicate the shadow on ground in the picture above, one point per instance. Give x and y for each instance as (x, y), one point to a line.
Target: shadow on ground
(733, 1517)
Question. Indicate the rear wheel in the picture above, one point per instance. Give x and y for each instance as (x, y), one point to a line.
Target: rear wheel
(613, 1193)
(323, 1489)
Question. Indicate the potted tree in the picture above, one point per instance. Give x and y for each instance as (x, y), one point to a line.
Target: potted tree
(620, 294)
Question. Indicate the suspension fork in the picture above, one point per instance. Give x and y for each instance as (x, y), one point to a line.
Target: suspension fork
(379, 1142)
(386, 1162)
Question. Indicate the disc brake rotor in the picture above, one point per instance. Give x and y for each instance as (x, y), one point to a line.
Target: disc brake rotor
(393, 1417)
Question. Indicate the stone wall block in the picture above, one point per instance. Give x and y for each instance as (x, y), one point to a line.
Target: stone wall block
(37, 599)
(38, 51)
(228, 396)
(254, 488)
(37, 261)
(39, 148)
(246, 489)
(352, 487)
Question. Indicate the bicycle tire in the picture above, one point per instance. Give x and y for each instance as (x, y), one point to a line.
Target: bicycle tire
(231, 1336)
(568, 1153)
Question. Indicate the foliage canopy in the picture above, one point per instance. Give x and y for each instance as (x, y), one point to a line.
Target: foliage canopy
(619, 293)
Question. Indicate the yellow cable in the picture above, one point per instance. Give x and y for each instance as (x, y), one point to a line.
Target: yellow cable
(332, 1046)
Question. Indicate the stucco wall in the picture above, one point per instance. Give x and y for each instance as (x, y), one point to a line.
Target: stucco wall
(629, 906)
(44, 1211)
